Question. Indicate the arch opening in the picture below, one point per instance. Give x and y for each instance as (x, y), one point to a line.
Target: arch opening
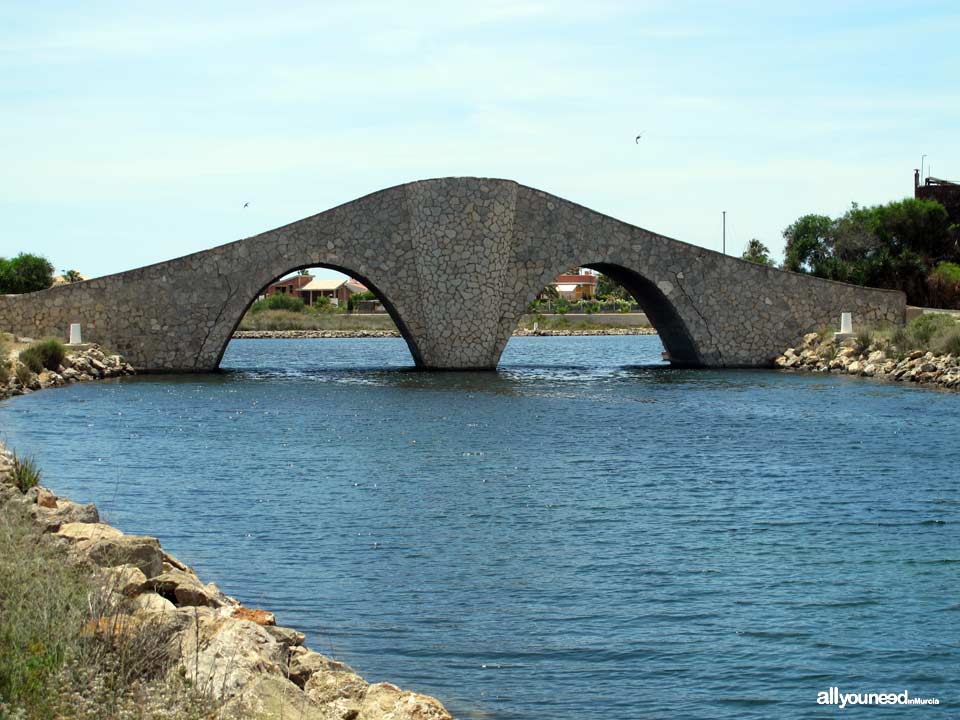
(380, 296)
(662, 313)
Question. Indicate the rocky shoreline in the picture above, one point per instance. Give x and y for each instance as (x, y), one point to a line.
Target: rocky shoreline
(519, 332)
(259, 669)
(816, 354)
(84, 365)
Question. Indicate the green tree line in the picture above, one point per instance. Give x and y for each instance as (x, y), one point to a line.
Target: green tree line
(25, 273)
(907, 245)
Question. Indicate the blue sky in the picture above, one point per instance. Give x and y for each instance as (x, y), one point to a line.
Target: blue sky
(134, 132)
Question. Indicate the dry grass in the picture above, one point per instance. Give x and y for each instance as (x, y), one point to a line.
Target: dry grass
(286, 320)
(67, 648)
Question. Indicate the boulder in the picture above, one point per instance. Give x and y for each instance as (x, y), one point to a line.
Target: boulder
(65, 512)
(224, 653)
(305, 663)
(288, 637)
(139, 551)
(150, 602)
(185, 590)
(341, 694)
(87, 532)
(46, 499)
(260, 617)
(384, 701)
(125, 580)
(275, 698)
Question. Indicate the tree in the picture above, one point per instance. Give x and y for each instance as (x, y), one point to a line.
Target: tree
(896, 246)
(71, 276)
(25, 273)
(807, 240)
(757, 252)
(609, 288)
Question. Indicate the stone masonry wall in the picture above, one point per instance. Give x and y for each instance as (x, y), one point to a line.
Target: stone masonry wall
(455, 261)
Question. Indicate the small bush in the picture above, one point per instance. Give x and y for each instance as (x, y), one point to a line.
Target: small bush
(948, 343)
(47, 354)
(67, 648)
(922, 329)
(278, 301)
(862, 340)
(24, 374)
(25, 473)
(561, 306)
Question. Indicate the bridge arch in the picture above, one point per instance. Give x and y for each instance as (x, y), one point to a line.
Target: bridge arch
(370, 285)
(663, 313)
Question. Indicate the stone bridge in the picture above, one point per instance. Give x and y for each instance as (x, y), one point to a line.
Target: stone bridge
(455, 261)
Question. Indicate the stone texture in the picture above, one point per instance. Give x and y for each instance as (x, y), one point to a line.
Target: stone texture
(455, 261)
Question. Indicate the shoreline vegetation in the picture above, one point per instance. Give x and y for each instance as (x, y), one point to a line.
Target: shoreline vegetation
(925, 351)
(285, 324)
(29, 366)
(96, 623)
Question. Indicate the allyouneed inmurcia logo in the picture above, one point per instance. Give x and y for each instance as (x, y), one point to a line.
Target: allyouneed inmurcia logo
(833, 696)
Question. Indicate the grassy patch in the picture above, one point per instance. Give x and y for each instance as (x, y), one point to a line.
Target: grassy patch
(46, 354)
(69, 651)
(938, 333)
(285, 320)
(25, 473)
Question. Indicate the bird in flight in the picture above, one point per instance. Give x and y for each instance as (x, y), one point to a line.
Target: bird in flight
(246, 204)
(637, 141)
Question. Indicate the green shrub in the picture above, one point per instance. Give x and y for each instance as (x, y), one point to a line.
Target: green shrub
(66, 650)
(947, 343)
(922, 329)
(42, 601)
(561, 306)
(47, 354)
(25, 473)
(24, 374)
(323, 304)
(278, 301)
(359, 297)
(862, 340)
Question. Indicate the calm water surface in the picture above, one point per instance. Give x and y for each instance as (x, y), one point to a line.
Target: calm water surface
(581, 534)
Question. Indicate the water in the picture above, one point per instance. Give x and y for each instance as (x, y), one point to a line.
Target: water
(582, 534)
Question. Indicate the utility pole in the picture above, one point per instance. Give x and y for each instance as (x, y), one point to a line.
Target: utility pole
(922, 158)
(724, 232)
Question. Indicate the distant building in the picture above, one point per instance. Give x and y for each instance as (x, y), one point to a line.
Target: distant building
(309, 289)
(576, 287)
(339, 291)
(943, 191)
(288, 286)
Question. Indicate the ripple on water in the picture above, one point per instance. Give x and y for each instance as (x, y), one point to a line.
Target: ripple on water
(584, 531)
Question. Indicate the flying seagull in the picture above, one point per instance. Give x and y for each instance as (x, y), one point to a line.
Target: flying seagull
(637, 141)
(246, 204)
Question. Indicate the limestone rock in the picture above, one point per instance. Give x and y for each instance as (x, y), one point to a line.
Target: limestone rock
(305, 663)
(139, 551)
(65, 512)
(125, 580)
(225, 653)
(78, 532)
(384, 701)
(341, 694)
(186, 590)
(260, 617)
(150, 602)
(274, 698)
(287, 637)
(46, 499)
